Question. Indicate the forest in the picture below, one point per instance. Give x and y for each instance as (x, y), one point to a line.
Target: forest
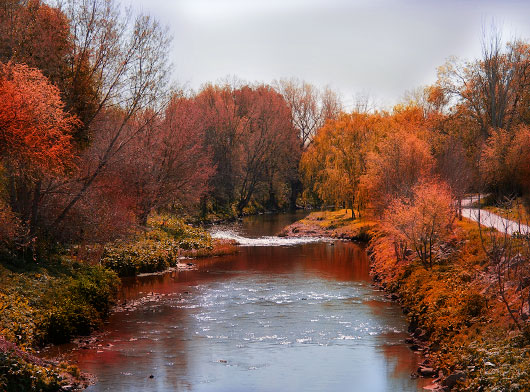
(103, 157)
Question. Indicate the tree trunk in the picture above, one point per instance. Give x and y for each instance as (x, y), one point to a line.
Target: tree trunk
(35, 209)
(296, 188)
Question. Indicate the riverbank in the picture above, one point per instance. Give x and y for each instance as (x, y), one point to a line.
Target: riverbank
(71, 294)
(457, 319)
(333, 224)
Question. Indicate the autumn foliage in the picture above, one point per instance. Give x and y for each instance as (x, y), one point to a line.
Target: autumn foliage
(422, 223)
(36, 129)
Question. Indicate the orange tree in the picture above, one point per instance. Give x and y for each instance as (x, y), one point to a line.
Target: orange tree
(333, 165)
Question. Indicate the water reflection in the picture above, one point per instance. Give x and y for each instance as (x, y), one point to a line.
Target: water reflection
(300, 318)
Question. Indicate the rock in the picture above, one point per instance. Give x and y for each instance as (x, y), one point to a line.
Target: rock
(425, 371)
(432, 387)
(451, 380)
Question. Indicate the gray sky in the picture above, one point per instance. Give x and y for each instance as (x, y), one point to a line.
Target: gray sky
(377, 47)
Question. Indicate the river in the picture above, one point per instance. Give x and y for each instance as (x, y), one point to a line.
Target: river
(280, 315)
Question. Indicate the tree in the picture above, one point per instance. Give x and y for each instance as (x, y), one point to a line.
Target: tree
(334, 163)
(38, 35)
(128, 62)
(36, 140)
(423, 221)
(267, 142)
(400, 162)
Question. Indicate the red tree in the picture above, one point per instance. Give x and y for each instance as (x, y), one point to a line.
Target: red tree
(35, 137)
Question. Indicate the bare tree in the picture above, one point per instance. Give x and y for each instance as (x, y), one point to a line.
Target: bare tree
(310, 107)
(492, 88)
(509, 257)
(126, 57)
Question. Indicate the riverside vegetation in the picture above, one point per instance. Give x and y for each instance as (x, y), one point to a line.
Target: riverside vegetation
(63, 296)
(456, 317)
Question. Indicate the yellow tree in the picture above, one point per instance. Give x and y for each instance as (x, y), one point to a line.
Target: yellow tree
(333, 165)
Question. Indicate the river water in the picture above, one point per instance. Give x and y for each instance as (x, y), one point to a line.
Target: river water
(281, 315)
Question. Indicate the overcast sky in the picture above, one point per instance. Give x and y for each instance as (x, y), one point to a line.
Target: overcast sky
(377, 47)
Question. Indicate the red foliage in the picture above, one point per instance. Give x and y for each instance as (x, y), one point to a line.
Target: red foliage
(36, 130)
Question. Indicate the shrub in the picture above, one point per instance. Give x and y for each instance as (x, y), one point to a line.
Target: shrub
(157, 249)
(18, 375)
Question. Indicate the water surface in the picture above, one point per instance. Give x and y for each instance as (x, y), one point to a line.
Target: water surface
(302, 317)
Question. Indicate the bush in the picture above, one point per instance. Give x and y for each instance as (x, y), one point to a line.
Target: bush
(78, 306)
(17, 375)
(42, 307)
(157, 249)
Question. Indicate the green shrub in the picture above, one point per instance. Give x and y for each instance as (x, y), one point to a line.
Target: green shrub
(157, 249)
(79, 305)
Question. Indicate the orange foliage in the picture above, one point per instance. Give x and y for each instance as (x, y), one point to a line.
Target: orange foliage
(36, 130)
(401, 162)
(333, 164)
(421, 223)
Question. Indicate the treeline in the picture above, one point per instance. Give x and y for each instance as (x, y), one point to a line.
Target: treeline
(94, 137)
(470, 130)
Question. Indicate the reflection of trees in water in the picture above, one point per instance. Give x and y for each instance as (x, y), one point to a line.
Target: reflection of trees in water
(132, 344)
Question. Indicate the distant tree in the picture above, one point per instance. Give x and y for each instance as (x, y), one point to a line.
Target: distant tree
(310, 107)
(400, 162)
(518, 157)
(333, 165)
(491, 90)
(167, 162)
(254, 145)
(497, 172)
(453, 167)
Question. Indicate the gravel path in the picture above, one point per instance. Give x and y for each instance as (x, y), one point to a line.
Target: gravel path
(490, 219)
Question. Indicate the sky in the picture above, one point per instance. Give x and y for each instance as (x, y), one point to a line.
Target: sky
(375, 48)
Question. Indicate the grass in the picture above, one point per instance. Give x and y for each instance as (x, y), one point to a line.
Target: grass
(339, 223)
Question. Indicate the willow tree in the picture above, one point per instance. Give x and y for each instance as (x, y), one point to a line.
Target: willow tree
(334, 164)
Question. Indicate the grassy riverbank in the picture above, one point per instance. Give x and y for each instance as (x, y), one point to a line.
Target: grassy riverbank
(48, 302)
(457, 318)
(72, 293)
(334, 224)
